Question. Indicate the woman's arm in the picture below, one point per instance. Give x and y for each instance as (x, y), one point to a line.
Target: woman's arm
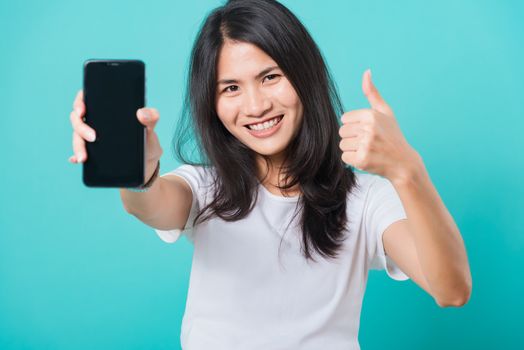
(427, 246)
(165, 206)
(428, 242)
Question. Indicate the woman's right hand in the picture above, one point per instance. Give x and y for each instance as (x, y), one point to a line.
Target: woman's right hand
(83, 132)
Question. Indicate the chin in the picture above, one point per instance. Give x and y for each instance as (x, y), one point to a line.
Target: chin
(268, 151)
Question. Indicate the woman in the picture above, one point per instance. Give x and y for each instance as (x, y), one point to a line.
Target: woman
(284, 232)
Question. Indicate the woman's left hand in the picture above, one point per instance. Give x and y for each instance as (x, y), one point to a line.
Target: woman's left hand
(372, 140)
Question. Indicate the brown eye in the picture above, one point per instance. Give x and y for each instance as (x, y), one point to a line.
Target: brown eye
(231, 86)
(272, 75)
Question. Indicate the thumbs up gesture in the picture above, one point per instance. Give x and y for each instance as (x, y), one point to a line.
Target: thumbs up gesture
(372, 140)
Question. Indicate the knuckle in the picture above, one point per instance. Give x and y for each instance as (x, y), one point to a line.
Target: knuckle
(368, 128)
(372, 133)
(362, 160)
(373, 118)
(370, 146)
(75, 122)
(76, 142)
(366, 144)
(154, 113)
(83, 134)
(368, 117)
(345, 157)
(81, 141)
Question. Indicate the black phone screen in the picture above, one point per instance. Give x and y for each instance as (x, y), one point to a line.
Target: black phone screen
(113, 92)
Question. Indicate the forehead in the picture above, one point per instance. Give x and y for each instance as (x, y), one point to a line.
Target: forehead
(241, 59)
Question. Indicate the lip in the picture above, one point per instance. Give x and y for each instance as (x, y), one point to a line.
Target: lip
(265, 120)
(268, 132)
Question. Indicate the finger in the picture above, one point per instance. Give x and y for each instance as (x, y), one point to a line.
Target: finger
(350, 130)
(356, 116)
(78, 103)
(72, 159)
(82, 128)
(79, 148)
(375, 99)
(349, 145)
(148, 117)
(350, 158)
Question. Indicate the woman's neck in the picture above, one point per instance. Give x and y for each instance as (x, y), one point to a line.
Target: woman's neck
(271, 180)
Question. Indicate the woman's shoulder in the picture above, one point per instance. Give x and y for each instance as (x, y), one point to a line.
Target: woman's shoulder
(366, 183)
(200, 175)
(203, 169)
(364, 180)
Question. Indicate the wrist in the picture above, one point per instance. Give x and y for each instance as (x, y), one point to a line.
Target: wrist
(150, 178)
(150, 169)
(410, 172)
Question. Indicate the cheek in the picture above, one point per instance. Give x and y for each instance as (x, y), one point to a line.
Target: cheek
(286, 95)
(226, 112)
(288, 98)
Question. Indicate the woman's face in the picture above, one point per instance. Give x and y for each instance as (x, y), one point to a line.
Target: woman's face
(252, 90)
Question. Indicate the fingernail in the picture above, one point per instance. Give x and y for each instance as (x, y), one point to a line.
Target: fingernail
(77, 111)
(78, 158)
(91, 136)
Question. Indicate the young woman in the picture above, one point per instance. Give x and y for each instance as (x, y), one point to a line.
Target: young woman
(284, 231)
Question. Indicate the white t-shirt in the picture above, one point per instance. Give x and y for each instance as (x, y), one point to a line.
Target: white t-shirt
(244, 295)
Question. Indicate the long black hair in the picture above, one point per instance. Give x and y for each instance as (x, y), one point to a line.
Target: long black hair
(313, 158)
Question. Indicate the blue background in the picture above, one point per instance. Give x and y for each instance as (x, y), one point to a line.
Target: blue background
(78, 272)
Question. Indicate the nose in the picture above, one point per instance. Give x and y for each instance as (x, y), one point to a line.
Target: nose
(256, 103)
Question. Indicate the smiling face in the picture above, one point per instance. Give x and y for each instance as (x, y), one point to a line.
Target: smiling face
(253, 90)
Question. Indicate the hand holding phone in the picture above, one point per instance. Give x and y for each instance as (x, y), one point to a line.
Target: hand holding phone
(82, 133)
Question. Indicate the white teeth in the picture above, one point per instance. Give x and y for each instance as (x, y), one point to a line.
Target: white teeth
(265, 125)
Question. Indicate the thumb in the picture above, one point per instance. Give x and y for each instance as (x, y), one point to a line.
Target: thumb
(375, 100)
(148, 117)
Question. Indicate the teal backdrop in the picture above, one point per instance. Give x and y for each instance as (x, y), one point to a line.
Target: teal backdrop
(78, 272)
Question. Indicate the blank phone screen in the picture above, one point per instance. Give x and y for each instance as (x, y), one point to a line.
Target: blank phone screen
(113, 92)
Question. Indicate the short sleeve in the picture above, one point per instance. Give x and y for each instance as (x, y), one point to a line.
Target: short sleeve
(383, 208)
(195, 178)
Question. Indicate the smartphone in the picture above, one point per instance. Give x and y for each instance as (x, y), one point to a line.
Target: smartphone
(113, 92)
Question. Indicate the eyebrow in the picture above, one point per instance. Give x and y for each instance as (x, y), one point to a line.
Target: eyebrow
(258, 76)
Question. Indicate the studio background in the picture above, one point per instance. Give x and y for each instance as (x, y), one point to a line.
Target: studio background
(78, 272)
